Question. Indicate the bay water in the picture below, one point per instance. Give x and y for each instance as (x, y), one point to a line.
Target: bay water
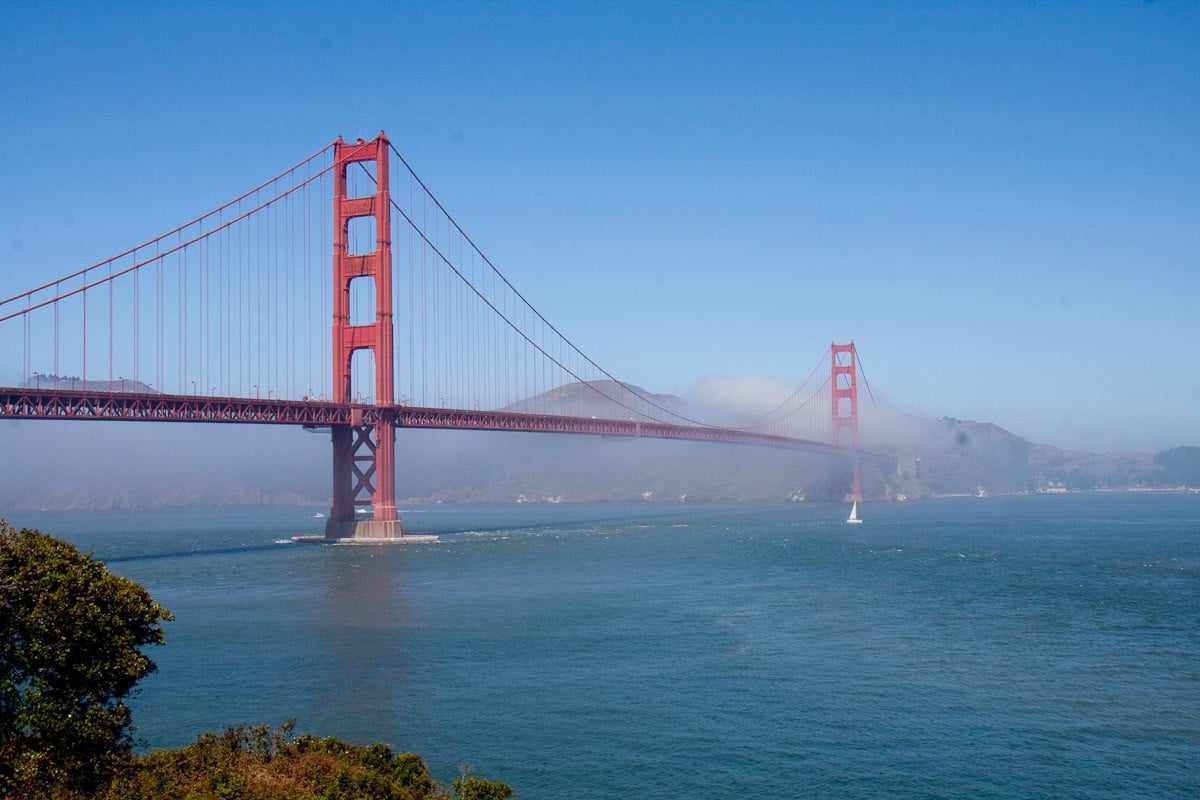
(1038, 646)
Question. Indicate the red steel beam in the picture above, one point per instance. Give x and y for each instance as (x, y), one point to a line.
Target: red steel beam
(353, 485)
(130, 406)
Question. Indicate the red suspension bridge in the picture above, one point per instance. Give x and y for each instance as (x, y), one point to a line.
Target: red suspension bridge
(224, 319)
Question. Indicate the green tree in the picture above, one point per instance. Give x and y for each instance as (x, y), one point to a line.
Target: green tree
(469, 787)
(69, 637)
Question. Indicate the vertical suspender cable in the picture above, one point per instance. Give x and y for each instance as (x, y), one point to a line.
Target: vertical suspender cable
(412, 328)
(111, 325)
(83, 338)
(57, 292)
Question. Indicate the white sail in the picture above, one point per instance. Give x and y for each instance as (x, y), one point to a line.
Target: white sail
(853, 518)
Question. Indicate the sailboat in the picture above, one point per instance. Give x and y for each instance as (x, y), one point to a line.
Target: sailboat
(853, 518)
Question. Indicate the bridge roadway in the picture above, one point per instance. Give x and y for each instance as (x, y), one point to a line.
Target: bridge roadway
(141, 406)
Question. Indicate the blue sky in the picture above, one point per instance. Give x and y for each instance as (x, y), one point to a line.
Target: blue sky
(999, 202)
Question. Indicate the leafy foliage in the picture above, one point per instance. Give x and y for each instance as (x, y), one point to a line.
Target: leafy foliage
(473, 788)
(70, 633)
(257, 762)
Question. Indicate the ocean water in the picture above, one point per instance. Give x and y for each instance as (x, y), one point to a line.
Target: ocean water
(1004, 647)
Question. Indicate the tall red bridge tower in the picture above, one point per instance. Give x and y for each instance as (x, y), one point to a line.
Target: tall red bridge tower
(364, 454)
(843, 360)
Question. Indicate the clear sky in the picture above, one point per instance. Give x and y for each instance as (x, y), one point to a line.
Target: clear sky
(1000, 202)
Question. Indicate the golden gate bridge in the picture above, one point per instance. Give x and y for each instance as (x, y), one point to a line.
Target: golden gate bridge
(236, 316)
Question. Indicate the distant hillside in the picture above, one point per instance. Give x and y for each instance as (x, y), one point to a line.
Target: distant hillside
(950, 456)
(73, 383)
(607, 399)
(932, 457)
(1180, 465)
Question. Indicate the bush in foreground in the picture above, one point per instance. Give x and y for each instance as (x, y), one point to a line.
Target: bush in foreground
(260, 763)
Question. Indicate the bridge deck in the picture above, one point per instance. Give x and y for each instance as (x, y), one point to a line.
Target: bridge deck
(129, 406)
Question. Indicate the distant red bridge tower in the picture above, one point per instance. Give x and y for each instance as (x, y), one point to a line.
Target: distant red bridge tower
(843, 385)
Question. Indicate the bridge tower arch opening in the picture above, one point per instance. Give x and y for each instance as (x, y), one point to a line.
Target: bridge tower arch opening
(362, 377)
(843, 382)
(364, 451)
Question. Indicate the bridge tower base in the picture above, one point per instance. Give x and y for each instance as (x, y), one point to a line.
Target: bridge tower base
(340, 530)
